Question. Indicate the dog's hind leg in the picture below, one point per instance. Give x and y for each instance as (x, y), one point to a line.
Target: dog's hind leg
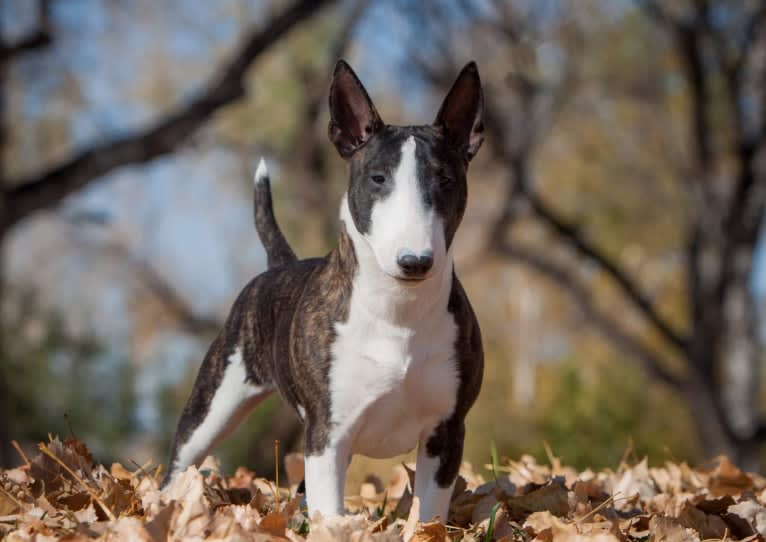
(221, 398)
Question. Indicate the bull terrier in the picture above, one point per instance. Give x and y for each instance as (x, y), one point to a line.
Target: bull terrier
(375, 345)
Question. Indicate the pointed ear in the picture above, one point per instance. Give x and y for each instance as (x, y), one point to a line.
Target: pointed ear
(461, 115)
(353, 118)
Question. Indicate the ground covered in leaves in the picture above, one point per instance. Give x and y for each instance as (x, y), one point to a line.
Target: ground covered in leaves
(62, 494)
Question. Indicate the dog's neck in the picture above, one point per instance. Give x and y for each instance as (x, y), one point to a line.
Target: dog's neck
(384, 297)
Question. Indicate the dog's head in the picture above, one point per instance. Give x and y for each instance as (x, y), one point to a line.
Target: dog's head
(407, 191)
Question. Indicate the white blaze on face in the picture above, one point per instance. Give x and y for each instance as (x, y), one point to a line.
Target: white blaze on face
(401, 221)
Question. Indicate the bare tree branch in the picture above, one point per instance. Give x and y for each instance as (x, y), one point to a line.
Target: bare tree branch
(310, 150)
(48, 189)
(687, 35)
(746, 208)
(520, 187)
(159, 287)
(574, 238)
(37, 39)
(649, 361)
(753, 27)
(168, 296)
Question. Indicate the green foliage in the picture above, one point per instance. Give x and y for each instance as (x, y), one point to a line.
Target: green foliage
(238, 449)
(491, 528)
(48, 373)
(593, 411)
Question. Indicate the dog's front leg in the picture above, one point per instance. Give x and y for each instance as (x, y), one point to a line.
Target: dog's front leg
(439, 455)
(326, 478)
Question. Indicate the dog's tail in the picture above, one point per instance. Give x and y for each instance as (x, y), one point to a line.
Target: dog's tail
(277, 249)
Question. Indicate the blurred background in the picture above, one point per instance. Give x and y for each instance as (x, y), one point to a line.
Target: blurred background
(612, 246)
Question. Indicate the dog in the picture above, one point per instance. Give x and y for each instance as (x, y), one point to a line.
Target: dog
(375, 345)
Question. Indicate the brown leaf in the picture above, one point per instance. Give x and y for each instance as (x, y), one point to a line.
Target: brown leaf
(483, 508)
(7, 506)
(159, 527)
(75, 502)
(636, 527)
(707, 525)
(295, 468)
(346, 529)
(587, 490)
(274, 523)
(727, 479)
(635, 480)
(753, 513)
(129, 529)
(434, 531)
(552, 497)
(716, 506)
(87, 515)
(538, 522)
(664, 529)
(120, 472)
(79, 449)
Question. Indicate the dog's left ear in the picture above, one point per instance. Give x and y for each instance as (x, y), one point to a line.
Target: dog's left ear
(461, 115)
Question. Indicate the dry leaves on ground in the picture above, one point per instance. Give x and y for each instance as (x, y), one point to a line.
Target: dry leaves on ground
(63, 494)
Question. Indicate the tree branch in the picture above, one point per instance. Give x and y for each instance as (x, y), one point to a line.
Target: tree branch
(311, 157)
(557, 273)
(159, 288)
(653, 10)
(568, 232)
(576, 240)
(37, 39)
(687, 36)
(51, 187)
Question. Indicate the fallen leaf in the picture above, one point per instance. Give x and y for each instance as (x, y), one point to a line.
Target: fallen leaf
(295, 469)
(664, 529)
(727, 479)
(120, 472)
(552, 497)
(752, 512)
(707, 525)
(274, 523)
(87, 515)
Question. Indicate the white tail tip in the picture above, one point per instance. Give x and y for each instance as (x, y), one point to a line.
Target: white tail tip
(261, 172)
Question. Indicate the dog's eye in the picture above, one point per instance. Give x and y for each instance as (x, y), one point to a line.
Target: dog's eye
(445, 180)
(378, 179)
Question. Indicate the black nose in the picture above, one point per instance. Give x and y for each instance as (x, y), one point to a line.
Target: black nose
(415, 266)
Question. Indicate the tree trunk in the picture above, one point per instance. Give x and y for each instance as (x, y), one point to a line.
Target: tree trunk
(7, 410)
(724, 352)
(738, 368)
(712, 434)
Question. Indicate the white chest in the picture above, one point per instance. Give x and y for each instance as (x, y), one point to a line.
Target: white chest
(391, 384)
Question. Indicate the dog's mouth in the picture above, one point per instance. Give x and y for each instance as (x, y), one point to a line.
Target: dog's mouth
(411, 281)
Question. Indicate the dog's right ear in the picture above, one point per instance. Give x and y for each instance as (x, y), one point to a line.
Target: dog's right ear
(353, 118)
(462, 112)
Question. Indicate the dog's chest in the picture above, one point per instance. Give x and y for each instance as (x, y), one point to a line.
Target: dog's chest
(389, 384)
